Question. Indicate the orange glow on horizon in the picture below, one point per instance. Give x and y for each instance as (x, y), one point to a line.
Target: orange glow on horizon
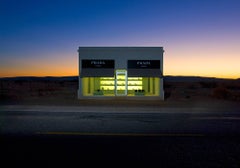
(220, 66)
(206, 60)
(41, 67)
(38, 73)
(202, 67)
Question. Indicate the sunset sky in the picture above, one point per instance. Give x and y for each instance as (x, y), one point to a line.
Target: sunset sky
(41, 38)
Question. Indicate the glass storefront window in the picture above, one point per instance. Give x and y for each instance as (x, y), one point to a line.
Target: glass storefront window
(144, 86)
(151, 86)
(93, 86)
(134, 85)
(106, 86)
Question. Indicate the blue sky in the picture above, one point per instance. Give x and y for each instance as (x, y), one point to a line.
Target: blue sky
(46, 34)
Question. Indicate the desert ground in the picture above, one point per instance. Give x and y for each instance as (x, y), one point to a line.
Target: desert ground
(43, 121)
(62, 91)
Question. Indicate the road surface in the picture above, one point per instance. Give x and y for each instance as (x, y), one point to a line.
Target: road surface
(109, 136)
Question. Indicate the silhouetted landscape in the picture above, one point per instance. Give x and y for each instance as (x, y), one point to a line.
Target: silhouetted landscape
(63, 90)
(61, 129)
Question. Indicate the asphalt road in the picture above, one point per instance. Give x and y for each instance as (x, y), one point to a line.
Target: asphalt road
(36, 122)
(166, 139)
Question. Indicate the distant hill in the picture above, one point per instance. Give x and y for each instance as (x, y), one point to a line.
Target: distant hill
(47, 78)
(75, 78)
(193, 79)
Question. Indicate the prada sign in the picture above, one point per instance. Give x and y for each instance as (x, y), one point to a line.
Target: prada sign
(93, 63)
(143, 64)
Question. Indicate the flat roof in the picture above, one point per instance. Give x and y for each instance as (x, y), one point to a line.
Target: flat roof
(119, 48)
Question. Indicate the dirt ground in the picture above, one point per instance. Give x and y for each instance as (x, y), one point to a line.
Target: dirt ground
(63, 92)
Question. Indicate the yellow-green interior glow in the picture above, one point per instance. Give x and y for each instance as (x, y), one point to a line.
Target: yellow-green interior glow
(109, 86)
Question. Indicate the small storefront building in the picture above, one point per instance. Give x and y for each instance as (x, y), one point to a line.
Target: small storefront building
(135, 72)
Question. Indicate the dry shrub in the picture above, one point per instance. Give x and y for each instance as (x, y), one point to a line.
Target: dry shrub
(221, 93)
(208, 84)
(167, 94)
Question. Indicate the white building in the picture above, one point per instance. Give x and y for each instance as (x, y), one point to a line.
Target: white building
(131, 72)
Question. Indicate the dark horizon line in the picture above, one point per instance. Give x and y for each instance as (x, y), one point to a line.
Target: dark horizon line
(75, 76)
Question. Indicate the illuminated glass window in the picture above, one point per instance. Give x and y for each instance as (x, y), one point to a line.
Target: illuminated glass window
(151, 86)
(143, 86)
(109, 86)
(98, 86)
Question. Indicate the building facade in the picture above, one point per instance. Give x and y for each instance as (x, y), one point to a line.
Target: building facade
(131, 72)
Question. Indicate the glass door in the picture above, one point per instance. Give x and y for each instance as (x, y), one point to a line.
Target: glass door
(121, 83)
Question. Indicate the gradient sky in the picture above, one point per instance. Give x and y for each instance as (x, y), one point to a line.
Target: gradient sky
(41, 38)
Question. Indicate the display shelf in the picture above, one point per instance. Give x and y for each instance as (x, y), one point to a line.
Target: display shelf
(134, 83)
